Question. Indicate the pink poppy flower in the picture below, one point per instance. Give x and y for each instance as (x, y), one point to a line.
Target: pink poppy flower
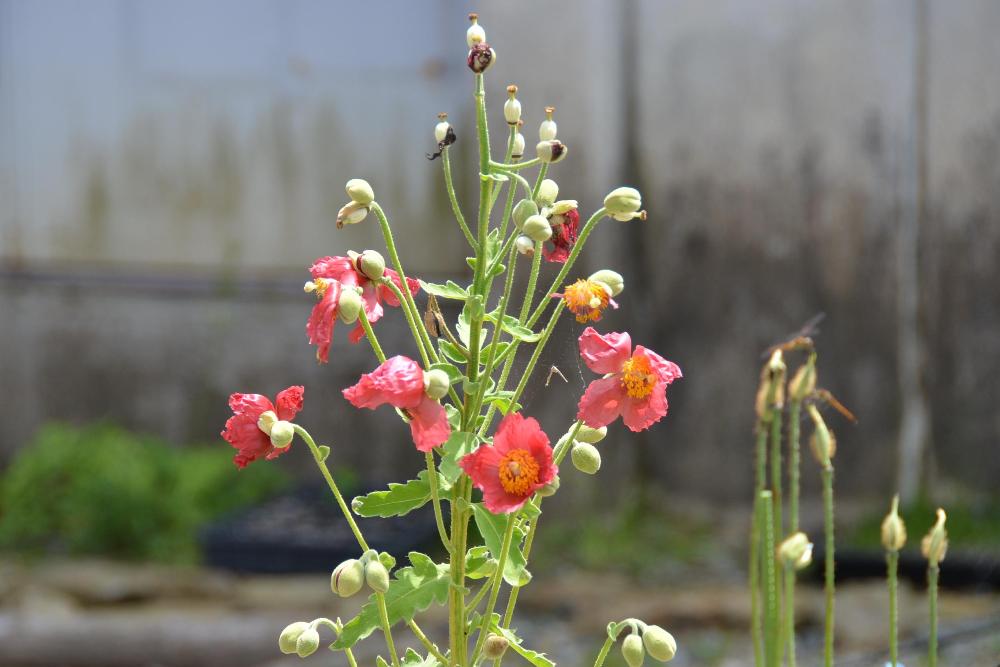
(563, 236)
(518, 463)
(400, 383)
(242, 429)
(635, 386)
(341, 270)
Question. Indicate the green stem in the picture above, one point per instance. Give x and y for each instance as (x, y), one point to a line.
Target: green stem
(432, 482)
(542, 172)
(776, 471)
(760, 481)
(794, 412)
(515, 166)
(383, 614)
(495, 589)
(932, 591)
(423, 346)
(770, 582)
(428, 644)
(497, 329)
(529, 291)
(455, 208)
(608, 643)
(478, 597)
(510, 151)
(892, 566)
(370, 335)
(350, 658)
(517, 177)
(789, 625)
(539, 346)
(828, 586)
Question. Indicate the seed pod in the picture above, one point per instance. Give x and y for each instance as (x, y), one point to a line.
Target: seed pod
(591, 435)
(893, 528)
(348, 578)
(494, 647)
(547, 130)
(633, 651)
(659, 643)
(586, 458)
(349, 305)
(475, 34)
(512, 107)
(551, 151)
(481, 57)
(518, 149)
(290, 635)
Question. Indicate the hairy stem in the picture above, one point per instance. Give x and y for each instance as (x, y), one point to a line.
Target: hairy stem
(932, 592)
(495, 589)
(828, 576)
(432, 482)
(892, 566)
(455, 208)
(771, 655)
(428, 644)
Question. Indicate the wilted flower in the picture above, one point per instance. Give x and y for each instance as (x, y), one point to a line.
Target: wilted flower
(243, 430)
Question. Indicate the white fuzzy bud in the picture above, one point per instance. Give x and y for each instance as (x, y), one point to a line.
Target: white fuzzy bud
(547, 130)
(524, 245)
(348, 578)
(623, 204)
(537, 228)
(307, 643)
(633, 651)
(290, 635)
(360, 191)
(282, 433)
(547, 192)
(610, 279)
(436, 383)
(659, 643)
(441, 130)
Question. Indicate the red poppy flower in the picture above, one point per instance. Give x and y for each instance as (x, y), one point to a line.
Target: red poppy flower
(587, 299)
(635, 386)
(400, 383)
(341, 270)
(518, 463)
(564, 233)
(242, 429)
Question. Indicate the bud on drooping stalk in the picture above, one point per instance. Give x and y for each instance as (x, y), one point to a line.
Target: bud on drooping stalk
(494, 647)
(633, 651)
(623, 203)
(796, 551)
(893, 528)
(547, 130)
(524, 245)
(537, 228)
(307, 642)
(360, 191)
(512, 107)
(551, 151)
(290, 635)
(442, 128)
(586, 458)
(475, 34)
(823, 444)
(436, 383)
(348, 578)
(934, 546)
(351, 214)
(369, 263)
(659, 643)
(550, 488)
(610, 279)
(376, 576)
(282, 433)
(349, 305)
(524, 210)
(591, 435)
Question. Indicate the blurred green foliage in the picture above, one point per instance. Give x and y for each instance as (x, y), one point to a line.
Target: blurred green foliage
(102, 490)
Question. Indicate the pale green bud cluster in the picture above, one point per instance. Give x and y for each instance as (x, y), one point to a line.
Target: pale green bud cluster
(362, 196)
(523, 210)
(633, 651)
(369, 263)
(548, 190)
(591, 435)
(659, 643)
(537, 228)
(281, 432)
(353, 574)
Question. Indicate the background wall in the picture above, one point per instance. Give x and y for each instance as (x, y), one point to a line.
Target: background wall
(169, 170)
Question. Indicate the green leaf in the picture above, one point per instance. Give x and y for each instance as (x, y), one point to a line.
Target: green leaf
(450, 290)
(477, 563)
(491, 527)
(454, 374)
(452, 351)
(414, 659)
(514, 643)
(380, 661)
(511, 325)
(457, 446)
(324, 452)
(398, 500)
(502, 400)
(462, 325)
(412, 590)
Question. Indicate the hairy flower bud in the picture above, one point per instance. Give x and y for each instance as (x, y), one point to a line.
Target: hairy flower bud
(934, 546)
(633, 651)
(551, 151)
(360, 191)
(282, 433)
(796, 551)
(537, 228)
(659, 643)
(804, 381)
(494, 647)
(307, 642)
(771, 390)
(548, 190)
(512, 107)
(823, 443)
(290, 635)
(586, 458)
(522, 211)
(349, 306)
(591, 435)
(266, 420)
(481, 57)
(547, 130)
(550, 488)
(623, 203)
(436, 383)
(517, 151)
(348, 578)
(563, 206)
(610, 279)
(351, 214)
(525, 246)
(376, 576)
(475, 34)
(370, 263)
(893, 528)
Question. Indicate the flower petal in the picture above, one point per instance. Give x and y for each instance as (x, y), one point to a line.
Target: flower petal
(607, 353)
(429, 424)
(399, 382)
(322, 320)
(640, 414)
(242, 431)
(668, 371)
(602, 402)
(289, 402)
(340, 269)
(518, 432)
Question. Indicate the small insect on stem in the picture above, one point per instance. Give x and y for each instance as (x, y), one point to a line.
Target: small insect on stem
(555, 371)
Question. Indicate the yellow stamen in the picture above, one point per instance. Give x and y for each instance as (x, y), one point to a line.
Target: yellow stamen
(638, 378)
(586, 299)
(518, 472)
(317, 287)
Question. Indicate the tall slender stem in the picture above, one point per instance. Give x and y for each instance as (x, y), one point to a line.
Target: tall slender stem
(428, 644)
(789, 618)
(605, 649)
(542, 173)
(383, 615)
(432, 482)
(794, 456)
(776, 470)
(892, 567)
(828, 586)
(455, 208)
(932, 592)
(760, 482)
(423, 346)
(495, 590)
(370, 335)
(770, 582)
(529, 291)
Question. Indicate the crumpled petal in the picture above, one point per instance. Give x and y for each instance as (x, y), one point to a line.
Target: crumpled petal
(607, 353)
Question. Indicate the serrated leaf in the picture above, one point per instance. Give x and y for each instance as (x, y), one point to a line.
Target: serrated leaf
(450, 290)
(477, 565)
(512, 326)
(397, 500)
(458, 445)
(414, 659)
(452, 351)
(453, 372)
(514, 643)
(380, 661)
(502, 400)
(412, 590)
(492, 527)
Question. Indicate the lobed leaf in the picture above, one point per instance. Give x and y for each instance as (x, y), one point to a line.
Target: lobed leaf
(397, 500)
(458, 445)
(491, 527)
(450, 290)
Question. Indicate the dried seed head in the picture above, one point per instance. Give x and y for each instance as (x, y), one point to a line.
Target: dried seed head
(551, 151)
(481, 57)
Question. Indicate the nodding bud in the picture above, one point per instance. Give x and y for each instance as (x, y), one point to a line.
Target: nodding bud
(376, 576)
(537, 228)
(563, 206)
(518, 149)
(633, 651)
(623, 203)
(822, 442)
(796, 551)
(551, 151)
(282, 433)
(804, 381)
(349, 306)
(659, 643)
(267, 420)
(547, 130)
(771, 390)
(494, 647)
(591, 435)
(307, 642)
(512, 107)
(475, 34)
(550, 488)
(586, 458)
(360, 191)
(441, 129)
(934, 546)
(370, 264)
(436, 383)
(524, 245)
(547, 193)
(348, 578)
(351, 214)
(524, 210)
(290, 635)
(893, 528)
(481, 57)
(610, 279)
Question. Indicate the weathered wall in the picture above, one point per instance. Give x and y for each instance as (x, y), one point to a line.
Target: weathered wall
(168, 170)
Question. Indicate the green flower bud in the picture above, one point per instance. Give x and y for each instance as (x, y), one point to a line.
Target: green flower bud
(659, 643)
(547, 193)
(893, 528)
(547, 130)
(282, 433)
(551, 151)
(550, 488)
(623, 203)
(349, 306)
(290, 635)
(494, 647)
(591, 435)
(522, 211)
(370, 263)
(266, 420)
(537, 228)
(934, 546)
(525, 246)
(611, 279)
(360, 191)
(586, 458)
(633, 651)
(436, 383)
(518, 148)
(351, 214)
(348, 578)
(822, 442)
(376, 576)
(796, 551)
(307, 643)
(563, 206)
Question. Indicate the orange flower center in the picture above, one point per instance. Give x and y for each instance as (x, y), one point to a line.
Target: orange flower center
(638, 378)
(518, 472)
(586, 299)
